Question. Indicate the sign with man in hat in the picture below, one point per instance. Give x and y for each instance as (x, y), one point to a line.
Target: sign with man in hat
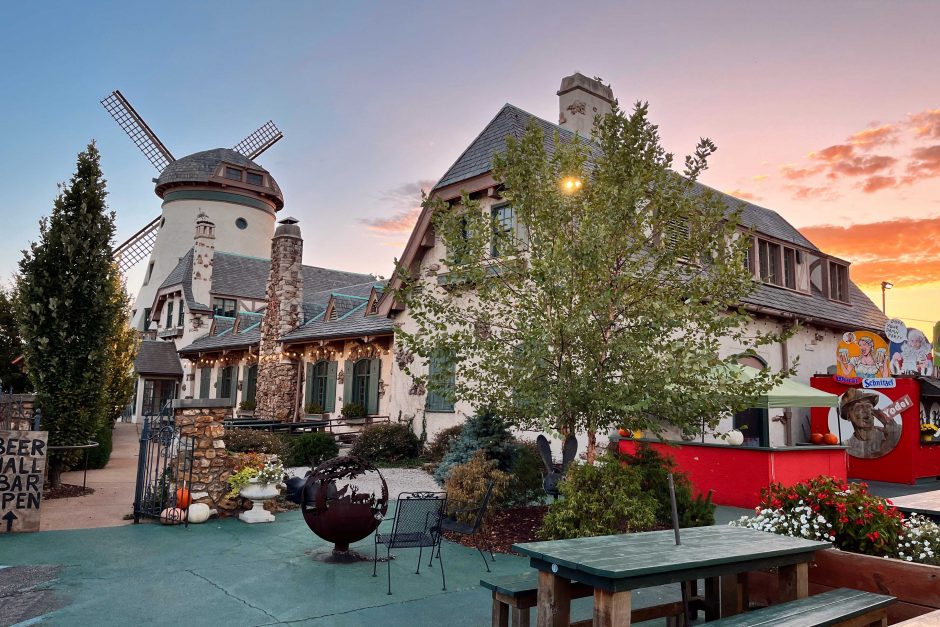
(868, 441)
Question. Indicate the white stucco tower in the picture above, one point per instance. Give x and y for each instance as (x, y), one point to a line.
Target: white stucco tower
(231, 191)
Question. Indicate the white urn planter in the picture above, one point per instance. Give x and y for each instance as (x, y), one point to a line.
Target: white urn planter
(258, 493)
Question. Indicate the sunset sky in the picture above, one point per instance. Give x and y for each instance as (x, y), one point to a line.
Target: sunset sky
(828, 113)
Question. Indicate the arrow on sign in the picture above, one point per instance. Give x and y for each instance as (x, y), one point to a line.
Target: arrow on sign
(9, 517)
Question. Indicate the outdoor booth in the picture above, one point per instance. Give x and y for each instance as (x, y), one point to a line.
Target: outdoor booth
(736, 473)
(900, 449)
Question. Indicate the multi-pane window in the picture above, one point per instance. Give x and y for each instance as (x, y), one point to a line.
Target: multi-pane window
(769, 254)
(227, 382)
(441, 382)
(157, 393)
(179, 320)
(253, 178)
(360, 390)
(223, 307)
(838, 282)
(169, 314)
(503, 219)
(233, 173)
(318, 383)
(789, 268)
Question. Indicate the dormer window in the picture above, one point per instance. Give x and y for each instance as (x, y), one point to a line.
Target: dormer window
(838, 282)
(253, 178)
(233, 174)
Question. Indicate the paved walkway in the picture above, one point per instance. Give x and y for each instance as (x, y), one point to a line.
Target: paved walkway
(114, 489)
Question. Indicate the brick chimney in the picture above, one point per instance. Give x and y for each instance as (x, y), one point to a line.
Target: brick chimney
(278, 386)
(203, 253)
(580, 99)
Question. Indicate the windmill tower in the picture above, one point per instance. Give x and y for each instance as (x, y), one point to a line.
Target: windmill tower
(225, 184)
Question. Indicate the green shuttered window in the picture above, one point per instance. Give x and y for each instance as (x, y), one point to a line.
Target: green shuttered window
(441, 381)
(321, 385)
(361, 384)
(205, 375)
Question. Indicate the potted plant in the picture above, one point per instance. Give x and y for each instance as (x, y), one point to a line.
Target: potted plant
(354, 413)
(877, 548)
(258, 479)
(315, 410)
(246, 408)
(928, 431)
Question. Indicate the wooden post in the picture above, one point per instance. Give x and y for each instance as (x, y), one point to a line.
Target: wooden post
(520, 617)
(612, 609)
(794, 582)
(554, 601)
(712, 598)
(500, 613)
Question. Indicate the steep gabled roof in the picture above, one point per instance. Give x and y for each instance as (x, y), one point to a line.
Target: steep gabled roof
(510, 121)
(157, 357)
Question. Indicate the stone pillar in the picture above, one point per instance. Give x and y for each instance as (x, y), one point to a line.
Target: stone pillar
(201, 419)
(580, 100)
(203, 254)
(277, 395)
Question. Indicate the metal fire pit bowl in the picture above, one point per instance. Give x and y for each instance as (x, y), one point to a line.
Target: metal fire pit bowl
(335, 507)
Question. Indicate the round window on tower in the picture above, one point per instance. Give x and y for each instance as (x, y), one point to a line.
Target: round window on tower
(241, 223)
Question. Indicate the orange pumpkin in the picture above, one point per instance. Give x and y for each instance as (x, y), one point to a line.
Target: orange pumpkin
(816, 438)
(183, 499)
(830, 438)
(624, 433)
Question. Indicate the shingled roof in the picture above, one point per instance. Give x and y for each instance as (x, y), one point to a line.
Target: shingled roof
(201, 167)
(157, 357)
(511, 121)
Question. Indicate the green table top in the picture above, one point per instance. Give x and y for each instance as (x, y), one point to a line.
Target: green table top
(639, 554)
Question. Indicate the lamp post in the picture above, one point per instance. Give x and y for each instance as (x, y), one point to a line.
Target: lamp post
(885, 286)
(571, 184)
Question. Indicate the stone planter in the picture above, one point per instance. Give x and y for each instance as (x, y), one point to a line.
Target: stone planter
(258, 493)
(245, 413)
(917, 586)
(356, 420)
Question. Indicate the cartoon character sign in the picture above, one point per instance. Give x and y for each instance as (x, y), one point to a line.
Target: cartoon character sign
(862, 354)
(869, 427)
(910, 349)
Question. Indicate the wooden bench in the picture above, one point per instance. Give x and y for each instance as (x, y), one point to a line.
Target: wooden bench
(849, 608)
(516, 594)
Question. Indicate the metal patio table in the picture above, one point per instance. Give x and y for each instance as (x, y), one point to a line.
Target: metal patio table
(616, 565)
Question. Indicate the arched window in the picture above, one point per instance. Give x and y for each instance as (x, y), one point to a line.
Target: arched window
(361, 382)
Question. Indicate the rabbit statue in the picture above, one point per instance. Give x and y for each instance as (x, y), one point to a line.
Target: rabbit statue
(553, 473)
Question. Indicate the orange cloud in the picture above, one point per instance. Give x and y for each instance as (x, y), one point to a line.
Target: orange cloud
(400, 222)
(874, 136)
(861, 166)
(795, 174)
(833, 153)
(877, 182)
(808, 192)
(407, 200)
(926, 161)
(926, 123)
(904, 251)
(744, 194)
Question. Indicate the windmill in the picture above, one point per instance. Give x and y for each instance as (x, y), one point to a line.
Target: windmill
(140, 245)
(239, 196)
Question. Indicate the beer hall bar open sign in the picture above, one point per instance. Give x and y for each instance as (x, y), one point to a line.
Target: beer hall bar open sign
(22, 469)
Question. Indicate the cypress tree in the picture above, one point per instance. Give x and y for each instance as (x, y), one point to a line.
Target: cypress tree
(67, 306)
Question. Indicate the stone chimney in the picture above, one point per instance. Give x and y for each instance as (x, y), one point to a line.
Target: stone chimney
(278, 389)
(580, 99)
(203, 253)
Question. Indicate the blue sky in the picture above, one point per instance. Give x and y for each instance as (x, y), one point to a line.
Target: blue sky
(376, 98)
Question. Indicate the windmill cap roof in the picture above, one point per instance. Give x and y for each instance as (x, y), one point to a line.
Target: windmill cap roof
(202, 168)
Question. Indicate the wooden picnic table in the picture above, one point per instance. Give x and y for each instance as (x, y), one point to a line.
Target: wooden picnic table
(616, 565)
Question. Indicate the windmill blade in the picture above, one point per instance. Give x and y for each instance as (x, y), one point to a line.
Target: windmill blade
(259, 141)
(135, 127)
(137, 247)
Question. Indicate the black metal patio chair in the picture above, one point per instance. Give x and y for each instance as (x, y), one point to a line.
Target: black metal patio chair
(452, 522)
(417, 524)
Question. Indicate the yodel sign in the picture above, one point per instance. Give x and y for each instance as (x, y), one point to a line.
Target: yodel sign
(22, 470)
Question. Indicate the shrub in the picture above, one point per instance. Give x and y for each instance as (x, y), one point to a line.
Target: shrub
(466, 486)
(441, 443)
(846, 515)
(526, 476)
(353, 410)
(599, 499)
(314, 408)
(390, 442)
(311, 449)
(654, 469)
(99, 456)
(250, 440)
(485, 431)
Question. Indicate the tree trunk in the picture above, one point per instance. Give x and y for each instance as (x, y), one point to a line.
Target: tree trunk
(55, 472)
(592, 446)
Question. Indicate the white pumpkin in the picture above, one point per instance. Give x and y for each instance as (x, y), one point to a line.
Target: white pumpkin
(172, 516)
(199, 513)
(735, 437)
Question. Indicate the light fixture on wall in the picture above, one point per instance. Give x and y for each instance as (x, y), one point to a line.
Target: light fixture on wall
(885, 286)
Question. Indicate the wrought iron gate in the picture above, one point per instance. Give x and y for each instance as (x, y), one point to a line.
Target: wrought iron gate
(164, 467)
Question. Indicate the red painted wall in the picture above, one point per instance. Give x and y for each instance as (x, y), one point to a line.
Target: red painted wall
(736, 474)
(910, 460)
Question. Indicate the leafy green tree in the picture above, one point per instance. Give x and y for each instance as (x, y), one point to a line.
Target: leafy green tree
(70, 308)
(12, 377)
(606, 300)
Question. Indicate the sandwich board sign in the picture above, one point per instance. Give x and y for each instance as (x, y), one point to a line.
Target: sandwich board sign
(22, 471)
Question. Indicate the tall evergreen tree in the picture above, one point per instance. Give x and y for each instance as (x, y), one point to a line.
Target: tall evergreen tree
(12, 377)
(68, 309)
